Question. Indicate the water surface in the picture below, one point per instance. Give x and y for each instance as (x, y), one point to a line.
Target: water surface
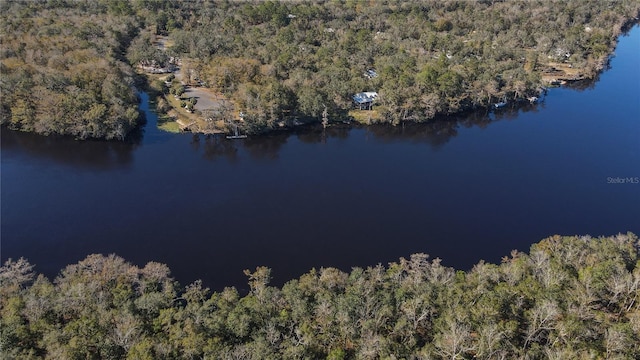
(466, 189)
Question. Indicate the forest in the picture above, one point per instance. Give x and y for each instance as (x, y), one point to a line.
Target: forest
(63, 70)
(569, 297)
(68, 66)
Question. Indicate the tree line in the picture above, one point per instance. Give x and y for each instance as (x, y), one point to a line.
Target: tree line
(277, 60)
(67, 66)
(63, 71)
(572, 297)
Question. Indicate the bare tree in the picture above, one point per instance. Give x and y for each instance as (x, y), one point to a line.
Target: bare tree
(455, 341)
(325, 117)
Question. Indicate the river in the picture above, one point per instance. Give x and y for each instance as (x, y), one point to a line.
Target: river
(466, 189)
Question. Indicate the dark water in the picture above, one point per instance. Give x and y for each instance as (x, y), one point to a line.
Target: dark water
(468, 189)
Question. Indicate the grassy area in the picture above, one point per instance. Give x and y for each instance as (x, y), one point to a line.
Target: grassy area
(176, 115)
(177, 118)
(168, 123)
(182, 113)
(562, 71)
(365, 116)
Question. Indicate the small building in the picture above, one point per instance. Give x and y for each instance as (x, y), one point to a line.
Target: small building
(370, 74)
(364, 100)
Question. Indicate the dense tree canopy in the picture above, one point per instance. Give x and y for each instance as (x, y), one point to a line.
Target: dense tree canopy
(568, 298)
(431, 57)
(63, 70)
(67, 65)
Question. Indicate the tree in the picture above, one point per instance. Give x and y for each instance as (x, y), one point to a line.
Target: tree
(177, 90)
(325, 117)
(445, 56)
(454, 340)
(16, 274)
(104, 307)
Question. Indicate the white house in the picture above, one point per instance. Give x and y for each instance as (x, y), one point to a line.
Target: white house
(364, 100)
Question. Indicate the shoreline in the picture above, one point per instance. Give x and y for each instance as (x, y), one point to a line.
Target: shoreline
(175, 114)
(552, 74)
(566, 73)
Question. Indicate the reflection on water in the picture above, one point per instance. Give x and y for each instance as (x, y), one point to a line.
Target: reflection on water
(215, 146)
(265, 148)
(210, 207)
(435, 133)
(107, 154)
(99, 155)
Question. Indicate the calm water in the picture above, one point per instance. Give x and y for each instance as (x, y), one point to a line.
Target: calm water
(464, 190)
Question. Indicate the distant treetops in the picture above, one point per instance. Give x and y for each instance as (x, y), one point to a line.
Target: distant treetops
(67, 66)
(281, 60)
(568, 298)
(63, 71)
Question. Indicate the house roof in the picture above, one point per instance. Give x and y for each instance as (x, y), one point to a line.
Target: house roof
(365, 97)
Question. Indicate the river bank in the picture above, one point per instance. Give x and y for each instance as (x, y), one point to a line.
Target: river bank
(206, 118)
(342, 196)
